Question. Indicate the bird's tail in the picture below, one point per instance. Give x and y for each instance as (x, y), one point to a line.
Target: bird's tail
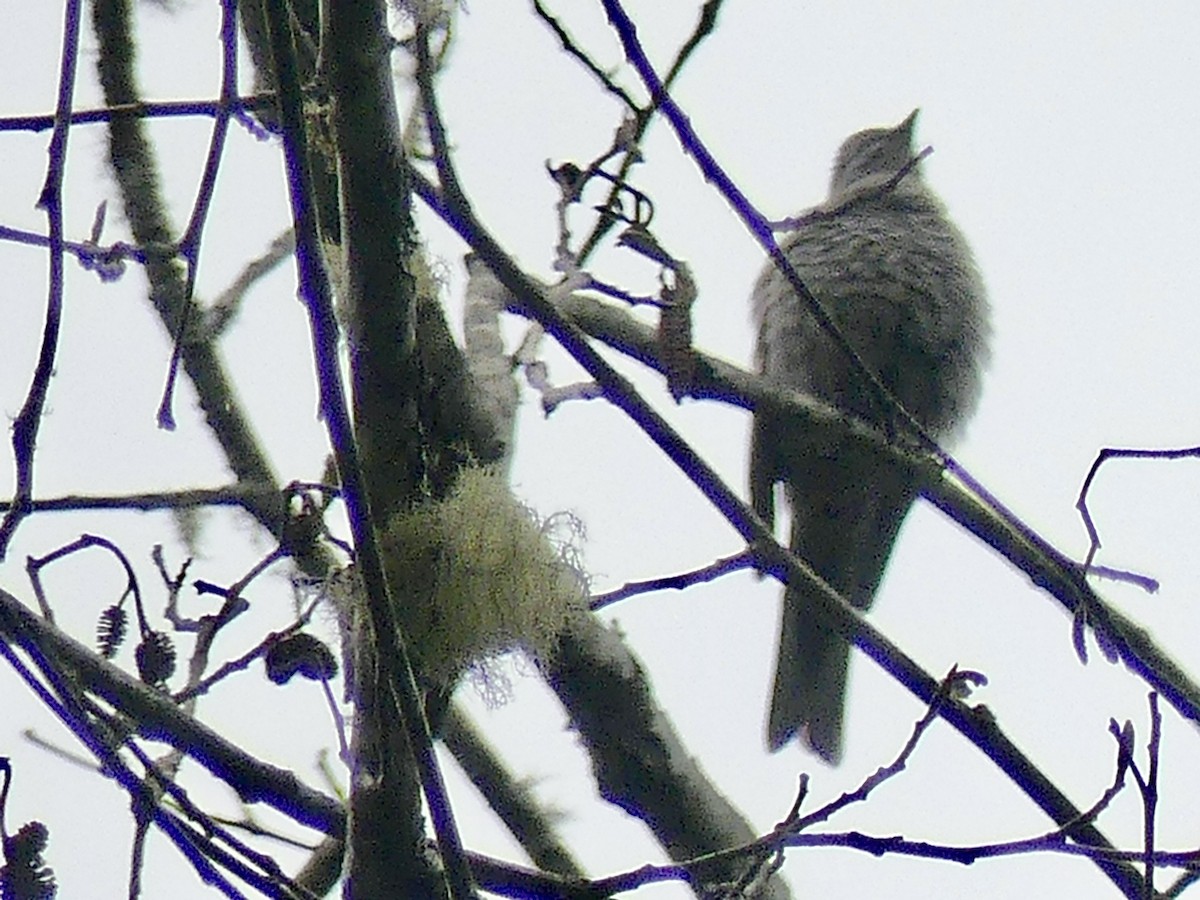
(846, 513)
(810, 678)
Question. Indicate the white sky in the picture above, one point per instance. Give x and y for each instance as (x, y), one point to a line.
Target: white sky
(1064, 148)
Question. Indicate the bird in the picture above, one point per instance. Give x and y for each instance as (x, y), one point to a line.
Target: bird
(898, 279)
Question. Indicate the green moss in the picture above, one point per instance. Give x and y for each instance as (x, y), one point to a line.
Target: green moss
(478, 574)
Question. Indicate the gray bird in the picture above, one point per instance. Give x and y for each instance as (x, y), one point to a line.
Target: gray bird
(898, 279)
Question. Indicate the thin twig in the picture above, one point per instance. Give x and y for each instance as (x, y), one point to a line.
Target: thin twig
(243, 662)
(1102, 457)
(712, 572)
(573, 49)
(643, 118)
(1150, 794)
(25, 427)
(34, 566)
(190, 498)
(862, 793)
(189, 244)
(148, 109)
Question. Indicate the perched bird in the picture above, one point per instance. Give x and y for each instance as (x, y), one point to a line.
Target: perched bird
(898, 280)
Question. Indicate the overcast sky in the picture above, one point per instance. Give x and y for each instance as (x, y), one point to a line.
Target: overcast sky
(1064, 147)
